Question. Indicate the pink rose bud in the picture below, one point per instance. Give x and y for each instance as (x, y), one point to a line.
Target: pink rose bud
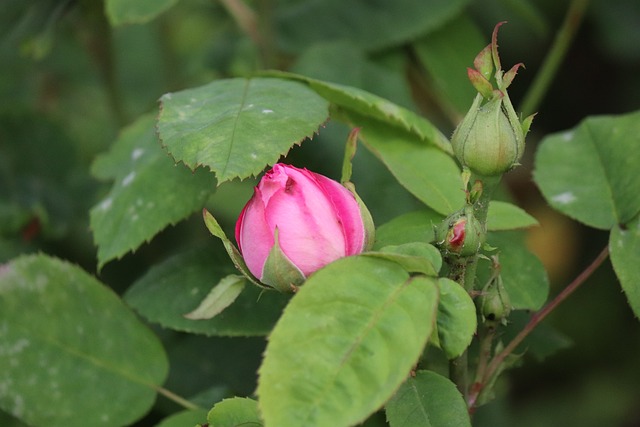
(297, 222)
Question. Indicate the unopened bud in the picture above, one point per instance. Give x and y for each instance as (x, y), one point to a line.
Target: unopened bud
(494, 302)
(460, 233)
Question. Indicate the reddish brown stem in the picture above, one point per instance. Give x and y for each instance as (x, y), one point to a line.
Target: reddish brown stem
(535, 320)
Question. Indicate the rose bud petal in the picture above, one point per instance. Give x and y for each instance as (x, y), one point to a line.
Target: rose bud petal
(316, 219)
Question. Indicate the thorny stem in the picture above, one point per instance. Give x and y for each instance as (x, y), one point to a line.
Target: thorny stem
(463, 271)
(535, 320)
(486, 335)
(554, 58)
(177, 399)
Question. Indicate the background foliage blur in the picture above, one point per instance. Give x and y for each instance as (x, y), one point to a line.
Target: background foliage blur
(70, 81)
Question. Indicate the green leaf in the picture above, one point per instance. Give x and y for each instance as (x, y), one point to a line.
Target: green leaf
(369, 25)
(358, 102)
(624, 247)
(150, 192)
(70, 350)
(346, 341)
(238, 126)
(415, 257)
(523, 275)
(184, 419)
(418, 226)
(590, 173)
(446, 54)
(381, 75)
(235, 412)
(505, 216)
(456, 319)
(176, 286)
(221, 296)
(427, 400)
(426, 171)
(122, 12)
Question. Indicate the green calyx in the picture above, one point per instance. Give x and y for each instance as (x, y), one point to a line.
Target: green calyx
(279, 272)
(490, 138)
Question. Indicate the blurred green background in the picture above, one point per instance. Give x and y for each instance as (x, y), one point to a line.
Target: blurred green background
(70, 81)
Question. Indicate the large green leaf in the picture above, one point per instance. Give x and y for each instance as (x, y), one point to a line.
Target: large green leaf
(456, 319)
(326, 62)
(71, 353)
(427, 172)
(177, 286)
(345, 342)
(122, 12)
(624, 246)
(446, 54)
(427, 400)
(362, 103)
(238, 126)
(524, 276)
(235, 412)
(370, 25)
(149, 193)
(505, 216)
(590, 173)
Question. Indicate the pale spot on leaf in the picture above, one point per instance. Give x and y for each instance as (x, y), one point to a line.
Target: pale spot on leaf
(564, 198)
(128, 179)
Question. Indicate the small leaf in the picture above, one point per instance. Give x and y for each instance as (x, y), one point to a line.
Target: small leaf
(590, 173)
(427, 400)
(150, 192)
(235, 412)
(418, 226)
(336, 355)
(457, 321)
(238, 126)
(175, 286)
(624, 246)
(504, 216)
(70, 350)
(122, 12)
(221, 296)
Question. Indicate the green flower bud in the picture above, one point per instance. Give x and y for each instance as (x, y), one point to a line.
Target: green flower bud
(494, 302)
(460, 233)
(489, 141)
(490, 138)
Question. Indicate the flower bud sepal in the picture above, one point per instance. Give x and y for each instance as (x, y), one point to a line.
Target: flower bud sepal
(238, 261)
(279, 272)
(367, 219)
